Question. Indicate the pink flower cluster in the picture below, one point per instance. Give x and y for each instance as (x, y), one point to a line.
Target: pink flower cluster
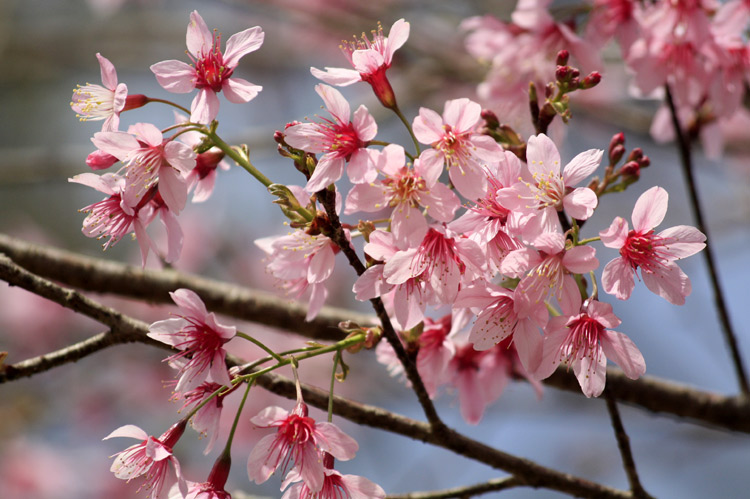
(157, 172)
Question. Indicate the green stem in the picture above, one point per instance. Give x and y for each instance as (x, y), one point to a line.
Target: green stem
(589, 240)
(408, 127)
(238, 158)
(261, 345)
(333, 382)
(169, 103)
(237, 419)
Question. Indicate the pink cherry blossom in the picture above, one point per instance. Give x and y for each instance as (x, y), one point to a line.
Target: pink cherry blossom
(455, 143)
(436, 349)
(335, 486)
(299, 439)
(550, 190)
(199, 337)
(371, 60)
(406, 190)
(440, 261)
(497, 320)
(149, 159)
(341, 141)
(478, 378)
(151, 457)
(653, 253)
(101, 102)
(584, 341)
(208, 418)
(109, 218)
(212, 71)
(545, 271)
(213, 487)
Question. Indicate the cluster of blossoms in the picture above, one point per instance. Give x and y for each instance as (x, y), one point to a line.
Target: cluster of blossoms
(697, 48)
(507, 269)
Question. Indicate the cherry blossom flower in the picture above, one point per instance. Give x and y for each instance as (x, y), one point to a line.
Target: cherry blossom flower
(618, 18)
(406, 190)
(151, 457)
(340, 140)
(199, 337)
(497, 320)
(101, 102)
(584, 341)
(441, 261)
(545, 271)
(370, 59)
(212, 71)
(455, 143)
(549, 190)
(653, 253)
(335, 485)
(109, 218)
(436, 349)
(208, 418)
(299, 439)
(478, 378)
(149, 160)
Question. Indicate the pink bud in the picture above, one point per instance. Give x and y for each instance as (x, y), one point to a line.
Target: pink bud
(99, 160)
(562, 58)
(134, 102)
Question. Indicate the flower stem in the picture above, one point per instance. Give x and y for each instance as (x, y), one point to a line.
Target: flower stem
(589, 240)
(239, 158)
(333, 382)
(237, 418)
(408, 127)
(687, 167)
(169, 103)
(261, 345)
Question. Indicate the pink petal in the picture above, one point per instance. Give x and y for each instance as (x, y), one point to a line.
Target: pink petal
(570, 296)
(175, 76)
(650, 209)
(367, 61)
(107, 69)
(462, 114)
(239, 91)
(364, 124)
(398, 269)
(118, 144)
(180, 156)
(487, 331)
(428, 126)
(361, 488)
(337, 76)
(199, 38)
(683, 241)
(622, 351)
(364, 197)
(361, 167)
(328, 170)
(205, 106)
(331, 439)
(486, 148)
(241, 44)
(580, 259)
(321, 265)
(371, 284)
(551, 356)
(218, 369)
(551, 243)
(129, 431)
(517, 262)
(174, 235)
(581, 203)
(616, 234)
(542, 156)
(173, 189)
(617, 278)
(408, 225)
(190, 303)
(471, 397)
(318, 296)
(441, 202)
(258, 468)
(582, 166)
(397, 36)
(669, 282)
(591, 375)
(529, 344)
(409, 306)
(334, 102)
(268, 416)
(470, 182)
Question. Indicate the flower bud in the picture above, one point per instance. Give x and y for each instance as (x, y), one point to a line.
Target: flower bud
(134, 102)
(616, 153)
(591, 80)
(99, 160)
(636, 154)
(490, 119)
(562, 58)
(631, 169)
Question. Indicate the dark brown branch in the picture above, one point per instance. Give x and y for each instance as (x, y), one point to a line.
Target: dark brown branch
(686, 161)
(496, 485)
(90, 274)
(623, 444)
(328, 201)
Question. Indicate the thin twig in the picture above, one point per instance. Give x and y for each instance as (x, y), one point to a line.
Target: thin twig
(495, 485)
(339, 237)
(91, 274)
(623, 443)
(686, 162)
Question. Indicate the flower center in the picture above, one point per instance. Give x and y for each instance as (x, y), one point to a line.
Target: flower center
(582, 340)
(644, 250)
(210, 69)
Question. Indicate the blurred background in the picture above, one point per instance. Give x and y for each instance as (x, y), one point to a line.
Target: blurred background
(50, 439)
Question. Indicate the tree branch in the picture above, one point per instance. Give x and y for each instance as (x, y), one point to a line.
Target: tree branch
(623, 444)
(90, 274)
(495, 485)
(686, 161)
